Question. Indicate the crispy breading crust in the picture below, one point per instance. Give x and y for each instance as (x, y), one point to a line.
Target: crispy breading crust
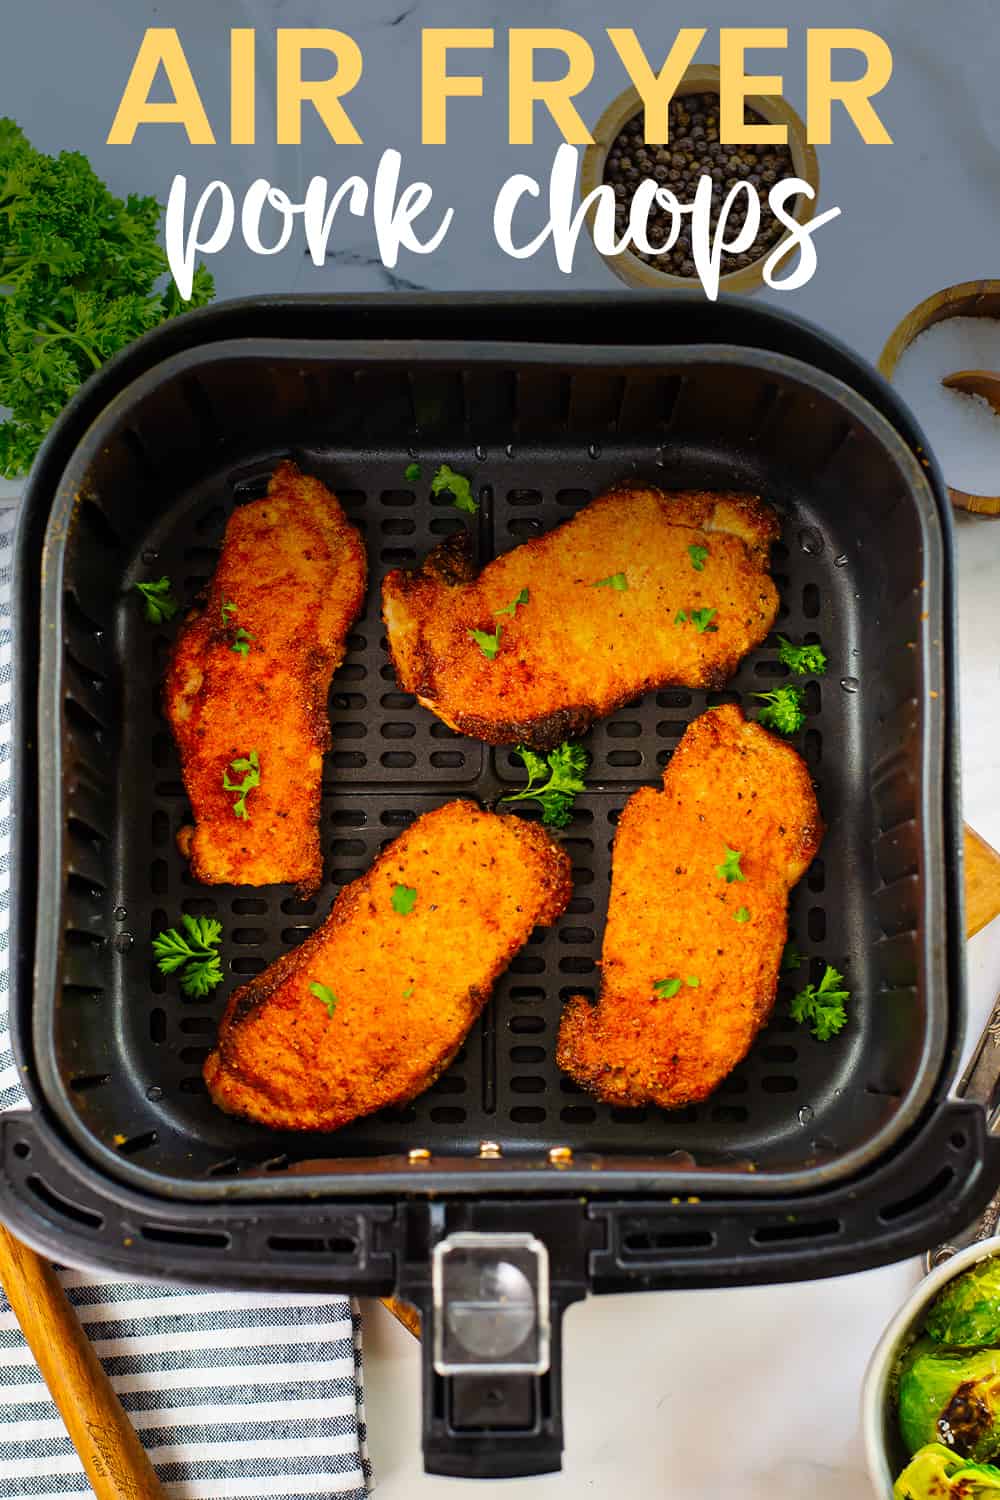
(408, 986)
(672, 916)
(576, 652)
(295, 569)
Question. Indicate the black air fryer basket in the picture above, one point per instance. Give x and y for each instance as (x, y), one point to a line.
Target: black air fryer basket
(503, 1193)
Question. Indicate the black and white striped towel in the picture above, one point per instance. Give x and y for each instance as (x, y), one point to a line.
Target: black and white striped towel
(235, 1395)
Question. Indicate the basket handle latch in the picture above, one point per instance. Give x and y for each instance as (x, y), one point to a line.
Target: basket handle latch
(491, 1354)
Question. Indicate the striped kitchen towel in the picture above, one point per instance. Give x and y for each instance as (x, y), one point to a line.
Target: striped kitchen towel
(235, 1395)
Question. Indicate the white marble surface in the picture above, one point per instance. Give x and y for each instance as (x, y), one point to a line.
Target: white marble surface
(745, 1393)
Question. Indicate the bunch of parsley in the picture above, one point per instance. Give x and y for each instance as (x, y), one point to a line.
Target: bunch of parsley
(79, 270)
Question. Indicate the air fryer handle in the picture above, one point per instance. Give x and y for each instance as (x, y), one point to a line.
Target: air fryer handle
(493, 1426)
(492, 1280)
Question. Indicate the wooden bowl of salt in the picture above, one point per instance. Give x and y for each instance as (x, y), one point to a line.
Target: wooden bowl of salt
(956, 329)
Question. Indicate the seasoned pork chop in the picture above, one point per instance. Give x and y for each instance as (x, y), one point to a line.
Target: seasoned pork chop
(690, 961)
(248, 682)
(639, 590)
(373, 1006)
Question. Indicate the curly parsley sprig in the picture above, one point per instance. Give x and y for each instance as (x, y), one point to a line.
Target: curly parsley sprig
(822, 1006)
(193, 953)
(803, 660)
(447, 481)
(158, 601)
(79, 277)
(782, 709)
(553, 782)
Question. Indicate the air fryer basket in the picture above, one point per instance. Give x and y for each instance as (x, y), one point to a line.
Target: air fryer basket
(125, 1145)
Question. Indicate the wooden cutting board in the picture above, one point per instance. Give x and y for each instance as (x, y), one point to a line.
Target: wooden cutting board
(982, 882)
(982, 904)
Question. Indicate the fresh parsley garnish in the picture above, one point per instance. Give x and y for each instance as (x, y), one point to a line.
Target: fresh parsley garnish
(616, 581)
(804, 660)
(412, 473)
(666, 989)
(553, 781)
(408, 992)
(324, 995)
(782, 709)
(460, 489)
(791, 958)
(193, 952)
(741, 914)
(158, 602)
(680, 618)
(822, 1006)
(404, 899)
(511, 608)
(697, 555)
(702, 619)
(228, 608)
(250, 766)
(81, 276)
(488, 644)
(730, 870)
(692, 981)
(241, 641)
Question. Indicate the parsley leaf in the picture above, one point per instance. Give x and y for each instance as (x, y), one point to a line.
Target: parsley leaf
(616, 581)
(565, 767)
(802, 659)
(408, 992)
(680, 618)
(160, 604)
(488, 644)
(324, 995)
(412, 473)
(730, 870)
(404, 899)
(241, 641)
(445, 479)
(666, 989)
(701, 620)
(250, 766)
(791, 958)
(193, 952)
(822, 1006)
(228, 608)
(698, 555)
(741, 915)
(511, 608)
(692, 981)
(80, 271)
(782, 709)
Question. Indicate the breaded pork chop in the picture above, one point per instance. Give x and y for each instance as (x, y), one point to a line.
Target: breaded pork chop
(690, 962)
(373, 1006)
(249, 677)
(639, 590)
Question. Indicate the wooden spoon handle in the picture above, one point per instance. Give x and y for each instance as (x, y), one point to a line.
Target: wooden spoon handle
(101, 1433)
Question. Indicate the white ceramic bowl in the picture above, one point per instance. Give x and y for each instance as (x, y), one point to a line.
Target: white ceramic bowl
(884, 1451)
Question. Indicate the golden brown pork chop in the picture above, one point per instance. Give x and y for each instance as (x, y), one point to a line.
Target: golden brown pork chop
(248, 679)
(690, 962)
(640, 589)
(372, 1007)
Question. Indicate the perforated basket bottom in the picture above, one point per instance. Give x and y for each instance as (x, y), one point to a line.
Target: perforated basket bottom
(391, 761)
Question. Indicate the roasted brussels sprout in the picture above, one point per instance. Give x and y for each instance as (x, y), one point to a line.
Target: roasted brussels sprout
(936, 1473)
(967, 1311)
(951, 1396)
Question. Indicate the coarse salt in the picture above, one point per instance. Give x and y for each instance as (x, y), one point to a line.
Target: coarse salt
(963, 431)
